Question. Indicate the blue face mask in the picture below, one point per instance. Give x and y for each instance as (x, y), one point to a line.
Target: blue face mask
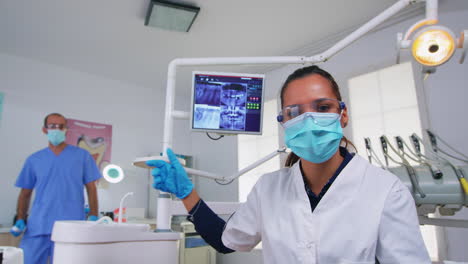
(56, 136)
(308, 137)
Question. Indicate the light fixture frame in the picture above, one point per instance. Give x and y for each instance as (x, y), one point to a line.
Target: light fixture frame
(431, 19)
(181, 6)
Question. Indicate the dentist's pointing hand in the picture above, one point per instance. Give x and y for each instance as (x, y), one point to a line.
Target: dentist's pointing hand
(170, 177)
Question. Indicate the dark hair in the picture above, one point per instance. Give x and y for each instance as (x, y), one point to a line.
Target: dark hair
(301, 73)
(53, 114)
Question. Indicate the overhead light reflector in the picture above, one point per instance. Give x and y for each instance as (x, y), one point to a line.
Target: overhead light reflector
(433, 46)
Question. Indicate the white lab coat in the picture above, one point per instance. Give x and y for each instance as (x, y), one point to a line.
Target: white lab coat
(367, 213)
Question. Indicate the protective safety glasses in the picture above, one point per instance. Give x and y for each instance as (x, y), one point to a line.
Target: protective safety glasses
(320, 106)
(56, 126)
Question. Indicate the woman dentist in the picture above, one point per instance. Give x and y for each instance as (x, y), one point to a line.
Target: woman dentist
(327, 206)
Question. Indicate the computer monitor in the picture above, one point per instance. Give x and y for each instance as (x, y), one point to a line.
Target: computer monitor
(227, 102)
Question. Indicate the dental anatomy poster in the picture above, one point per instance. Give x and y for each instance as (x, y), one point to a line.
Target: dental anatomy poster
(94, 137)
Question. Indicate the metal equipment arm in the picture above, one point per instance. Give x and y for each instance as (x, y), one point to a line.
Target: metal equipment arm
(241, 172)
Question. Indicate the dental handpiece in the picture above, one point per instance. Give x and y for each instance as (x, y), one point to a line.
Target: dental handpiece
(433, 140)
(384, 149)
(405, 163)
(368, 149)
(414, 181)
(458, 171)
(435, 172)
(372, 155)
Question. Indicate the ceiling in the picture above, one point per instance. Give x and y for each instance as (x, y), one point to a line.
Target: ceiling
(108, 38)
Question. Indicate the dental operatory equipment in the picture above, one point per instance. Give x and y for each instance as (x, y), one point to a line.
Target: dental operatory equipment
(447, 194)
(384, 150)
(163, 215)
(457, 170)
(435, 171)
(433, 139)
(371, 155)
(411, 172)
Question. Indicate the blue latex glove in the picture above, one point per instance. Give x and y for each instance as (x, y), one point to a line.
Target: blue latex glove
(92, 218)
(170, 177)
(18, 228)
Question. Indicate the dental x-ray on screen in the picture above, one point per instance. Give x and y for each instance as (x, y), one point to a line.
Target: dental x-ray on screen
(227, 102)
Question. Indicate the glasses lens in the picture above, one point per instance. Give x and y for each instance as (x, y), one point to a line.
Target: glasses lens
(55, 126)
(325, 119)
(326, 106)
(290, 112)
(323, 105)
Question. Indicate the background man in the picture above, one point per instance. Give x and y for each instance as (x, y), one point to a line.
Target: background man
(57, 174)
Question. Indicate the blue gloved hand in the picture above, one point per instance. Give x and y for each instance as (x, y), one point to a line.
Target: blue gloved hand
(87, 209)
(18, 228)
(92, 218)
(170, 177)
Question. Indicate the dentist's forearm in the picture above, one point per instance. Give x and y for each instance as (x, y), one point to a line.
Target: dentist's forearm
(91, 189)
(23, 203)
(191, 200)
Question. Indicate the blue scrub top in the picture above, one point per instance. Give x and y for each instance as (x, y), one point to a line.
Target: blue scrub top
(58, 182)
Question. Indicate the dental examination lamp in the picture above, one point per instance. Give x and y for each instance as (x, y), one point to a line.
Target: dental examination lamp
(113, 173)
(432, 45)
(164, 201)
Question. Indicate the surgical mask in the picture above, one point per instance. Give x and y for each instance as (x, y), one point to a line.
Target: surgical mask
(308, 137)
(56, 136)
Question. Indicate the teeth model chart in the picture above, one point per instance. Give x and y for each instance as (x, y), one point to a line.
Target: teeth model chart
(95, 146)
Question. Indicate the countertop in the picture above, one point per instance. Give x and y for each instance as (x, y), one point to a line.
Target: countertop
(4, 230)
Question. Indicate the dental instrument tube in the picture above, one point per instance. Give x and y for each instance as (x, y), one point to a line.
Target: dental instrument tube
(464, 184)
(463, 181)
(434, 138)
(121, 206)
(372, 155)
(416, 145)
(384, 150)
(458, 171)
(435, 171)
(367, 142)
(411, 172)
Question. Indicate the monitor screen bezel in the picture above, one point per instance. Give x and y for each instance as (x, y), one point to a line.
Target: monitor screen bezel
(234, 74)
